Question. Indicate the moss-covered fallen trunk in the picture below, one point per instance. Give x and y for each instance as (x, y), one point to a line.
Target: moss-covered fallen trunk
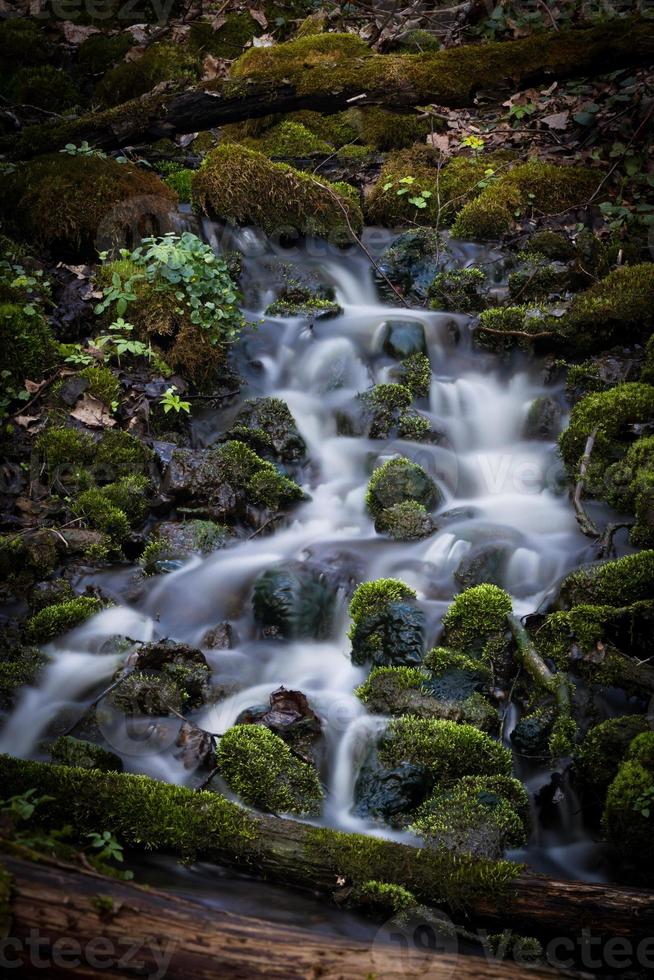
(150, 815)
(325, 74)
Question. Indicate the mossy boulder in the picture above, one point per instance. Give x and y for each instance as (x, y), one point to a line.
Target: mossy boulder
(387, 414)
(54, 620)
(386, 130)
(146, 693)
(69, 751)
(28, 346)
(161, 62)
(446, 750)
(543, 419)
(630, 487)
(406, 521)
(174, 542)
(618, 307)
(612, 583)
(62, 202)
(502, 329)
(226, 481)
(304, 299)
(544, 187)
(531, 735)
(294, 600)
(457, 290)
(100, 51)
(181, 665)
(20, 667)
(268, 427)
(387, 626)
(485, 563)
(241, 186)
(629, 811)
(45, 87)
(28, 558)
(226, 40)
(410, 262)
(259, 767)
(414, 373)
(478, 815)
(602, 751)
(477, 619)
(397, 481)
(538, 278)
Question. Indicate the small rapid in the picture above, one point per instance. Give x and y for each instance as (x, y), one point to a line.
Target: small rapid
(498, 486)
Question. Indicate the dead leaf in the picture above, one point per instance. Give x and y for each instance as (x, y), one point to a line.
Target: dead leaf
(26, 420)
(441, 142)
(213, 67)
(558, 120)
(140, 32)
(136, 52)
(76, 33)
(180, 32)
(217, 22)
(33, 386)
(259, 16)
(89, 411)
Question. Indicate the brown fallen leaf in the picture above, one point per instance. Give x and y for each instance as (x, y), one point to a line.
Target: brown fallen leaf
(558, 120)
(259, 16)
(89, 411)
(76, 33)
(441, 142)
(217, 22)
(26, 420)
(213, 67)
(33, 386)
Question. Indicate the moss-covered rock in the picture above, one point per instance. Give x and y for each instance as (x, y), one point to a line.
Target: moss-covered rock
(64, 449)
(387, 627)
(259, 767)
(479, 815)
(60, 201)
(28, 558)
(612, 583)
(147, 693)
(294, 600)
(386, 414)
(403, 338)
(100, 51)
(502, 329)
(28, 348)
(241, 186)
(477, 618)
(386, 130)
(288, 138)
(629, 807)
(410, 263)
(45, 87)
(54, 620)
(179, 664)
(173, 543)
(538, 278)
(543, 418)
(227, 480)
(69, 751)
(602, 750)
(446, 750)
(397, 481)
(50, 594)
(619, 307)
(20, 667)
(458, 291)
(161, 62)
(406, 521)
(415, 374)
(268, 427)
(527, 187)
(103, 384)
(227, 40)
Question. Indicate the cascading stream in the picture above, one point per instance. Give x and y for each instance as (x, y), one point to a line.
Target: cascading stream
(504, 487)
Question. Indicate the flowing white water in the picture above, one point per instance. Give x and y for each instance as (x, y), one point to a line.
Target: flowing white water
(504, 488)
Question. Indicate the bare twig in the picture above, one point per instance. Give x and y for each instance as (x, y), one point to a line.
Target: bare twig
(586, 526)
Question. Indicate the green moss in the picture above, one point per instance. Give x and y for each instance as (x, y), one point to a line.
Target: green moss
(608, 414)
(20, 667)
(100, 51)
(103, 384)
(173, 543)
(386, 130)
(326, 51)
(120, 454)
(45, 87)
(28, 557)
(630, 804)
(60, 201)
(496, 326)
(241, 186)
(370, 598)
(537, 278)
(554, 245)
(602, 750)
(613, 583)
(98, 511)
(50, 593)
(441, 659)
(27, 344)
(399, 480)
(51, 622)
(128, 494)
(22, 43)
(259, 767)
(383, 898)
(161, 62)
(181, 182)
(480, 815)
(619, 306)
(147, 693)
(69, 751)
(229, 39)
(399, 679)
(289, 139)
(526, 188)
(446, 750)
(415, 374)
(477, 614)
(64, 448)
(458, 291)
(203, 825)
(406, 521)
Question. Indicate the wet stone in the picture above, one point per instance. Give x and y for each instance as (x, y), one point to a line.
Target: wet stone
(401, 338)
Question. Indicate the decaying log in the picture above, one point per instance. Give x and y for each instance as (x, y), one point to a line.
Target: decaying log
(106, 928)
(146, 814)
(450, 77)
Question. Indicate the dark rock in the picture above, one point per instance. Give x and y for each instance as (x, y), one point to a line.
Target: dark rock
(411, 262)
(221, 637)
(484, 563)
(390, 793)
(392, 637)
(401, 338)
(530, 736)
(71, 389)
(194, 746)
(294, 600)
(185, 666)
(543, 419)
(267, 425)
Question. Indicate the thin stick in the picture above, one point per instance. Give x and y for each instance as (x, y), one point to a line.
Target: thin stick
(586, 526)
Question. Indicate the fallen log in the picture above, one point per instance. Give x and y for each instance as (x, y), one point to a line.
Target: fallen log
(149, 815)
(450, 77)
(75, 923)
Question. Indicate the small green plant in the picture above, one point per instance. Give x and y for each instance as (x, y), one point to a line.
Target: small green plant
(119, 292)
(171, 402)
(83, 150)
(519, 112)
(404, 186)
(79, 357)
(10, 393)
(119, 342)
(644, 804)
(22, 807)
(108, 847)
(474, 143)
